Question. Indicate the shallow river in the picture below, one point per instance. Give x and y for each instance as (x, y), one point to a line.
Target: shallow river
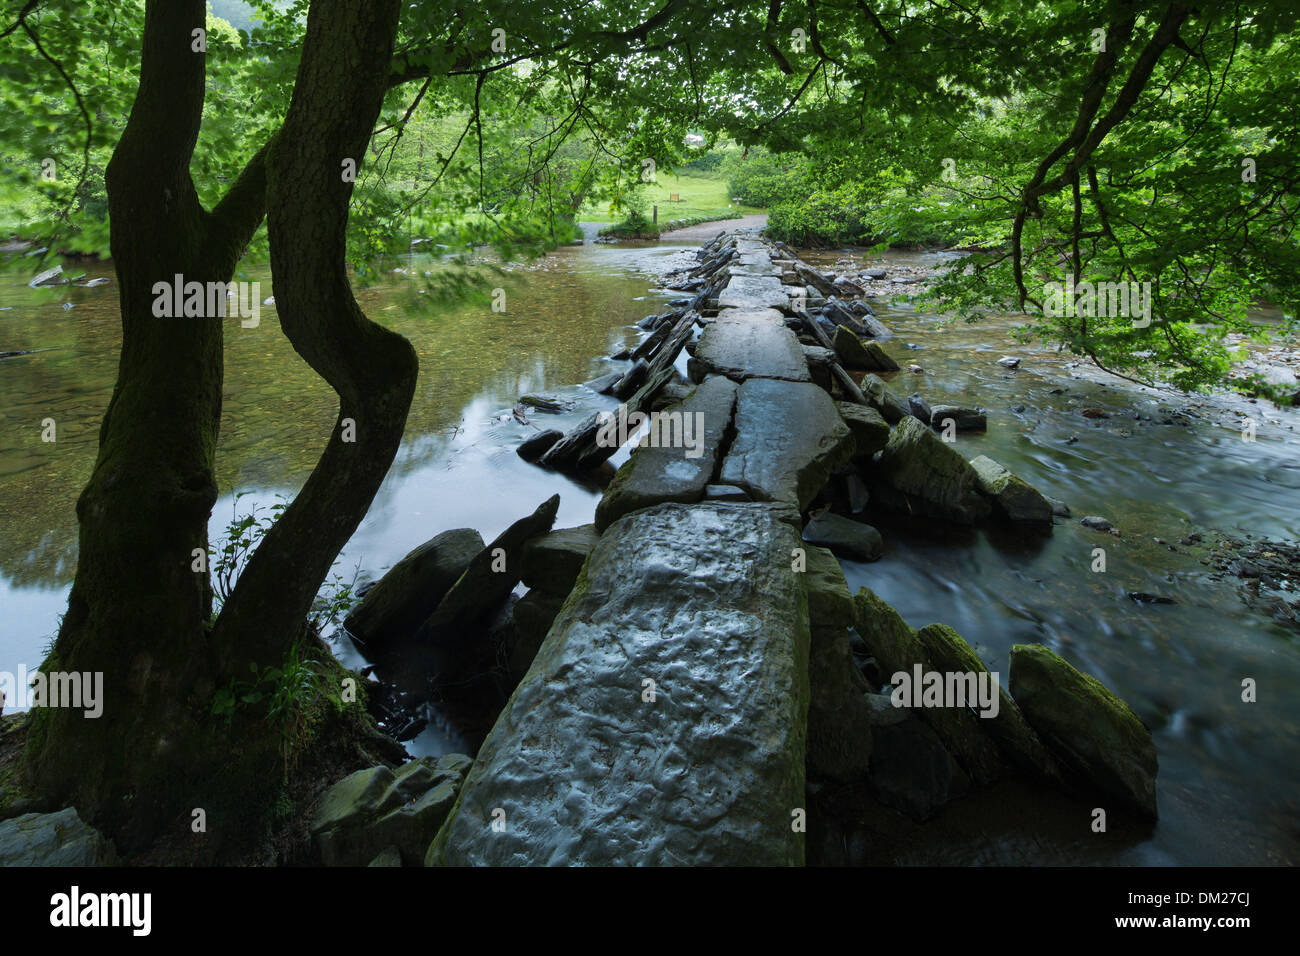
(1229, 781)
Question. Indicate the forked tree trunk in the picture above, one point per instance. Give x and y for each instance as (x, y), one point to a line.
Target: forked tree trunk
(139, 611)
(340, 88)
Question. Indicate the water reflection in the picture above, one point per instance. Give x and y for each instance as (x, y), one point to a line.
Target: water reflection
(1229, 771)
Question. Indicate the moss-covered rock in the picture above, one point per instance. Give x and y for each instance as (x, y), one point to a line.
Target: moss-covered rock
(851, 352)
(1095, 733)
(839, 718)
(962, 731)
(869, 428)
(884, 399)
(392, 610)
(829, 601)
(551, 562)
(946, 650)
(888, 637)
(373, 809)
(921, 474)
(1013, 498)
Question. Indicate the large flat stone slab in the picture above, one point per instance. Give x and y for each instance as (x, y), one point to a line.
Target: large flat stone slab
(753, 262)
(743, 344)
(582, 767)
(754, 292)
(669, 470)
(789, 439)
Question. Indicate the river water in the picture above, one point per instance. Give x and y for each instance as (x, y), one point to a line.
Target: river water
(1229, 781)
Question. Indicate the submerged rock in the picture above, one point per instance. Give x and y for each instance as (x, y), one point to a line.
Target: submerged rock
(603, 384)
(910, 769)
(1095, 733)
(534, 448)
(962, 418)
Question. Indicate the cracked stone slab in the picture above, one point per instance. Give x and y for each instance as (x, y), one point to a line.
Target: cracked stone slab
(672, 470)
(754, 292)
(584, 769)
(789, 439)
(757, 262)
(744, 344)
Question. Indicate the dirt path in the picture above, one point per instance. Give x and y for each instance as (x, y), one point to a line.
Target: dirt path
(707, 230)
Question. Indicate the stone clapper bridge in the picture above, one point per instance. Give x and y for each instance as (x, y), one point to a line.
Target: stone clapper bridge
(699, 667)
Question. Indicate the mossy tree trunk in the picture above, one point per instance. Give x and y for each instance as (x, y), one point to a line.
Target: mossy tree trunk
(342, 79)
(138, 611)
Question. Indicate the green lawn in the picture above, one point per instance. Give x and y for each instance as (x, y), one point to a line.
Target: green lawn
(699, 196)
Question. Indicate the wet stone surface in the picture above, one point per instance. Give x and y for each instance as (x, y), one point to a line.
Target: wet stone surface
(583, 768)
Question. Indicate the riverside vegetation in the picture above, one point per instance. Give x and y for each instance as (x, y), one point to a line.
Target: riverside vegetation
(1149, 147)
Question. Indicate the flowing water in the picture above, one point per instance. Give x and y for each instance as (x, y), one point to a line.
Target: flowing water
(1229, 770)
